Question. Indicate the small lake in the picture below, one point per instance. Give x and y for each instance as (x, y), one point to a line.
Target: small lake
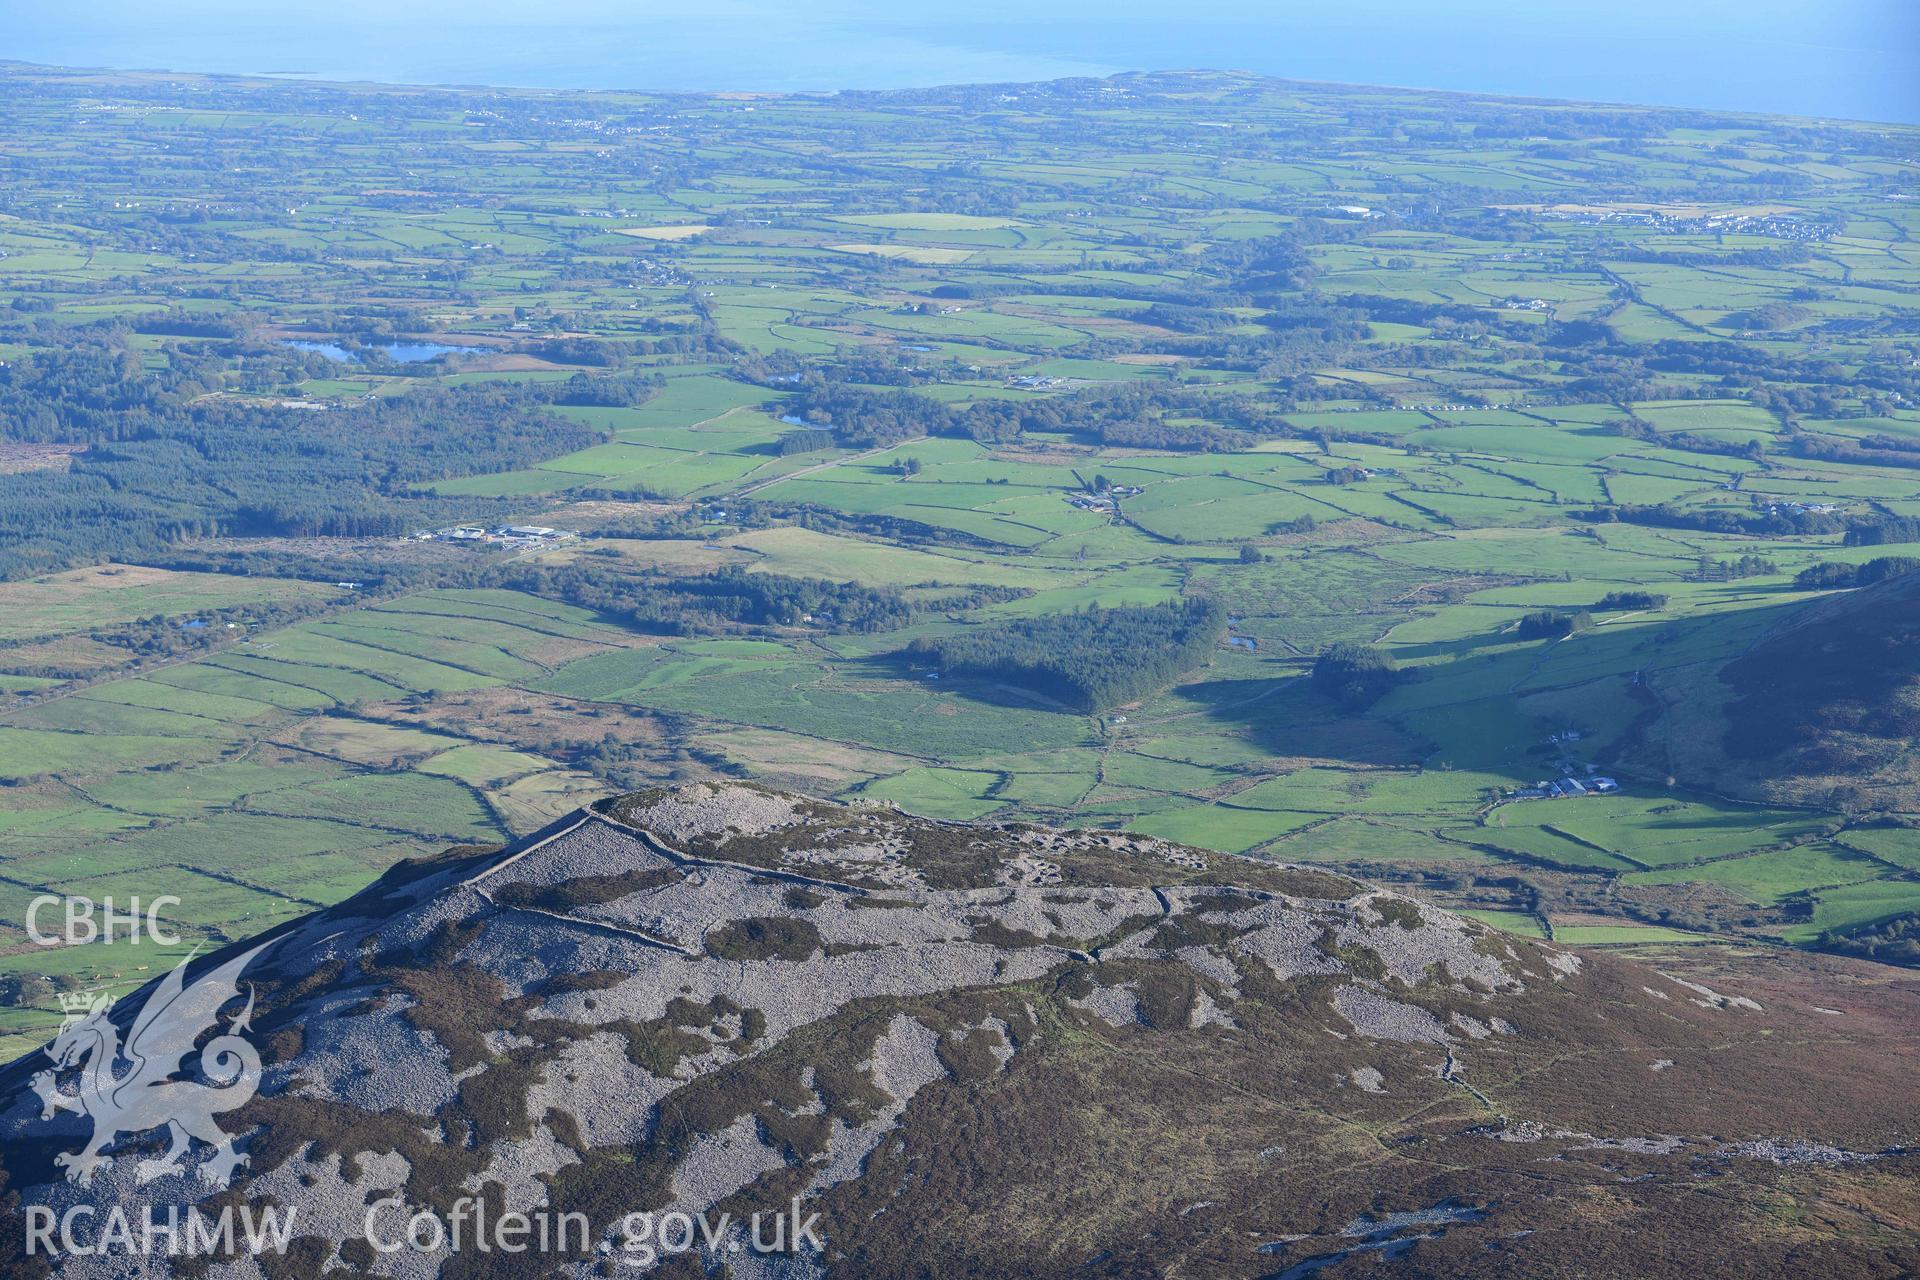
(1392, 1235)
(398, 352)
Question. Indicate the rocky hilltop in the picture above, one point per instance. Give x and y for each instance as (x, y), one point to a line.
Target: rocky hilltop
(982, 1051)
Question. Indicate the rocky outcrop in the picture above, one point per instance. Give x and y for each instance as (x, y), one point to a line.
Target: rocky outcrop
(721, 1000)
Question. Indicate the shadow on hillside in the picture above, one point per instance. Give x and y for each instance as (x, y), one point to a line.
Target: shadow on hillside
(1458, 649)
(1284, 717)
(899, 666)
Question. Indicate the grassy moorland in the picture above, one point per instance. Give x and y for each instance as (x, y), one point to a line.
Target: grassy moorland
(816, 378)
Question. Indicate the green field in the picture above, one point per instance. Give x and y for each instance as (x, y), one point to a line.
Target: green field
(814, 383)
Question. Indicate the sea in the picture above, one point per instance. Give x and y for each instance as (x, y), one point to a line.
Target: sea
(1852, 59)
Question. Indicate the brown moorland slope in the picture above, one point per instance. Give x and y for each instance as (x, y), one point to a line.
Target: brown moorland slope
(1008, 1051)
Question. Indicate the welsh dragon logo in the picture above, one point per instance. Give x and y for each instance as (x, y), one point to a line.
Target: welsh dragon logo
(129, 1088)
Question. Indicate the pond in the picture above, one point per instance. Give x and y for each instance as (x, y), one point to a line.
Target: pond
(1392, 1235)
(397, 351)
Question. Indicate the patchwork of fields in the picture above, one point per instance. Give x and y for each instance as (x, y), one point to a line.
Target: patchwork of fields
(288, 767)
(1366, 367)
(259, 783)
